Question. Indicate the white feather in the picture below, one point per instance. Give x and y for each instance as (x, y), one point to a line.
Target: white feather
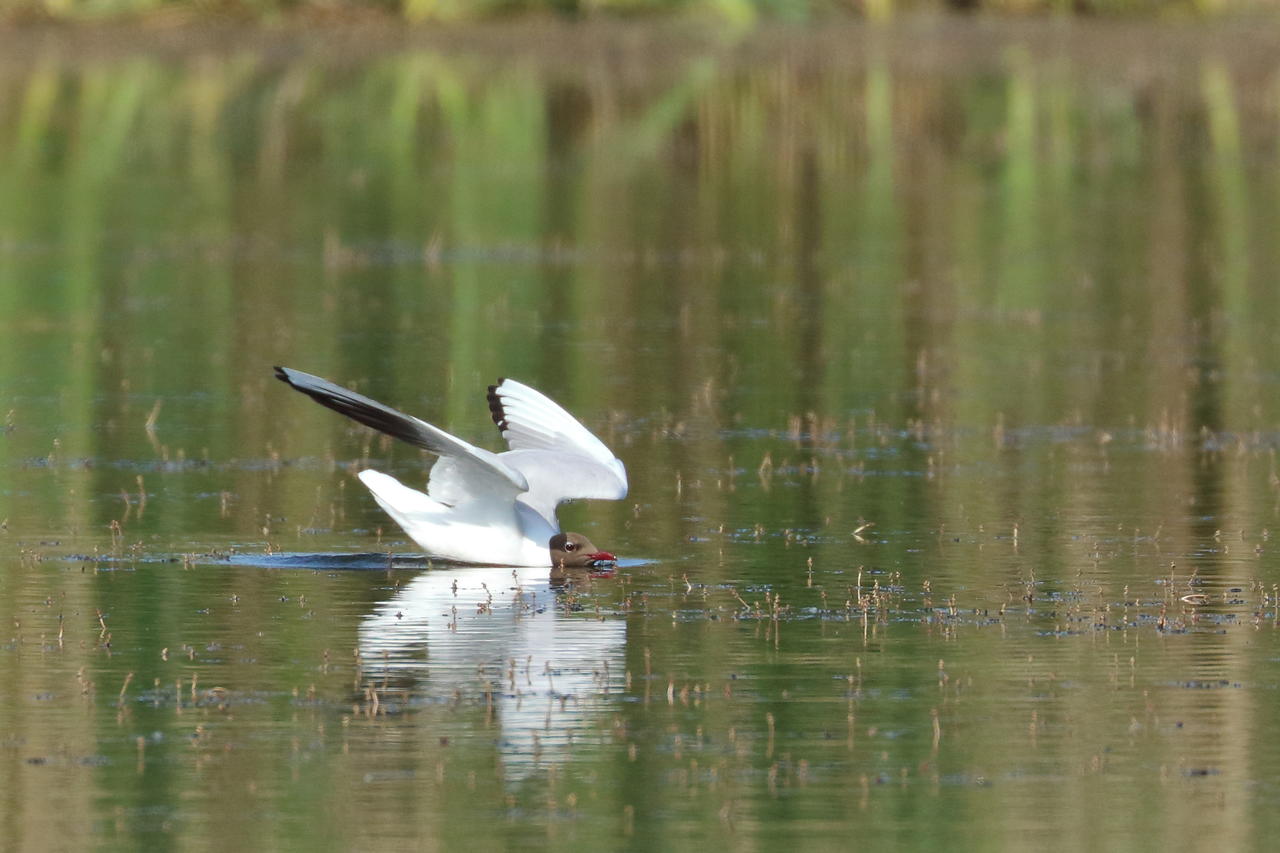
(480, 506)
(498, 532)
(559, 457)
(531, 412)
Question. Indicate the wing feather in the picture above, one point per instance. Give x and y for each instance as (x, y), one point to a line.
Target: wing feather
(560, 458)
(553, 457)
(464, 471)
(530, 420)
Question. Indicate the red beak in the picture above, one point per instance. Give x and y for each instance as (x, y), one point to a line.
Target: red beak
(601, 557)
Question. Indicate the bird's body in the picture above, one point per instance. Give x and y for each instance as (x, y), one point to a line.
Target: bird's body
(500, 534)
(484, 507)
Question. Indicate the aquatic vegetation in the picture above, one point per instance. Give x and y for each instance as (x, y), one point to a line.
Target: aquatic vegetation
(942, 368)
(734, 11)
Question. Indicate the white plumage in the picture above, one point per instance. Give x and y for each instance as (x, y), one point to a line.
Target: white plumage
(480, 506)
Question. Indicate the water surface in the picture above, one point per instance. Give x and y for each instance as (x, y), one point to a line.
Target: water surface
(942, 360)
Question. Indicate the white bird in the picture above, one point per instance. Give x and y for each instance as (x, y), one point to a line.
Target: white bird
(484, 507)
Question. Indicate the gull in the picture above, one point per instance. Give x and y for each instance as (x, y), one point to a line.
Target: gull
(484, 507)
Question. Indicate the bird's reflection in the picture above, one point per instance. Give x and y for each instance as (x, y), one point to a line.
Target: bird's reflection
(511, 638)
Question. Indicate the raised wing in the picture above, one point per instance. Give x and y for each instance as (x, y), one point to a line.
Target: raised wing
(463, 471)
(560, 459)
(530, 420)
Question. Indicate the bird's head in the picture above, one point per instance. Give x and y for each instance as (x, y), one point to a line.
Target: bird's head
(569, 550)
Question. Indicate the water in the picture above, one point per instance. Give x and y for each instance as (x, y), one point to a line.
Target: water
(941, 359)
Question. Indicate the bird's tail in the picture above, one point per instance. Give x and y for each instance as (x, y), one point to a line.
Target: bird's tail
(400, 502)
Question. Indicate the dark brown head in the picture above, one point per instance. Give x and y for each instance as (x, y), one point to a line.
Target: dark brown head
(574, 549)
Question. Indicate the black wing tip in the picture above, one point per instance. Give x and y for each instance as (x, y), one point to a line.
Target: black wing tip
(361, 409)
(496, 411)
(300, 381)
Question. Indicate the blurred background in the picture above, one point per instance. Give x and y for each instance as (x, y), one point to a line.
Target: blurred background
(941, 352)
(734, 12)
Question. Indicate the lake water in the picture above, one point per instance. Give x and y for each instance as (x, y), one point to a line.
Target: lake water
(943, 359)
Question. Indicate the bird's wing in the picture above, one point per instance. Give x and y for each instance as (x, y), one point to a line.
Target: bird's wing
(555, 477)
(559, 458)
(464, 472)
(530, 420)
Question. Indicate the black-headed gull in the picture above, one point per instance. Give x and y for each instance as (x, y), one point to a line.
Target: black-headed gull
(484, 507)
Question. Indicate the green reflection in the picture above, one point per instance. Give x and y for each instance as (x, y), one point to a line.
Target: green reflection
(1014, 310)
